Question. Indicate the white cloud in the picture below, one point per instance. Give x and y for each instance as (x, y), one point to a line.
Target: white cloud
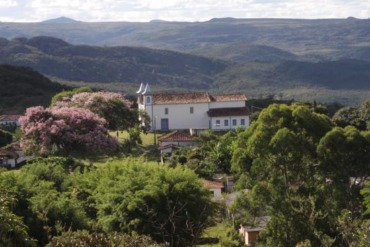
(180, 10)
(8, 3)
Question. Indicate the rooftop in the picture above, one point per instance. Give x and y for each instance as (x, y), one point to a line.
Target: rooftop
(213, 184)
(12, 118)
(8, 154)
(195, 97)
(224, 112)
(176, 136)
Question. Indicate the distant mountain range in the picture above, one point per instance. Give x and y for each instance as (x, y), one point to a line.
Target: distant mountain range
(323, 60)
(61, 20)
(323, 39)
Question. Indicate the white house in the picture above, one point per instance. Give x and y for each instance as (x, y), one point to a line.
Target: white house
(175, 139)
(194, 110)
(9, 120)
(8, 158)
(214, 187)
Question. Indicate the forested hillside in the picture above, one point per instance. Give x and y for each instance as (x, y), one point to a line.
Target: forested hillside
(317, 39)
(346, 80)
(23, 87)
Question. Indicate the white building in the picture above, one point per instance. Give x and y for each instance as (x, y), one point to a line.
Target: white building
(194, 110)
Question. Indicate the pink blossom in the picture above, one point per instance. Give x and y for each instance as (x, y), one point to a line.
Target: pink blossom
(64, 129)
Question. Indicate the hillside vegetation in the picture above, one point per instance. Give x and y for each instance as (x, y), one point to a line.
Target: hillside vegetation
(317, 39)
(173, 70)
(23, 87)
(324, 60)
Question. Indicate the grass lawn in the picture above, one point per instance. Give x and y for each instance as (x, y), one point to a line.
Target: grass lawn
(147, 150)
(220, 232)
(148, 139)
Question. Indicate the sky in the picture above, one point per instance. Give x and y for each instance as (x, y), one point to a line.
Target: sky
(178, 10)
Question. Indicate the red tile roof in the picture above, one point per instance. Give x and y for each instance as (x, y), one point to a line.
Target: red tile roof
(8, 154)
(194, 97)
(181, 98)
(229, 97)
(13, 118)
(176, 136)
(213, 184)
(224, 112)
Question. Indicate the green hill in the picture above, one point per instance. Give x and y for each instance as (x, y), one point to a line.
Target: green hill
(282, 73)
(57, 58)
(23, 87)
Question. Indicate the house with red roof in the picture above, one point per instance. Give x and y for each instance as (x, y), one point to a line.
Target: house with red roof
(214, 187)
(9, 120)
(193, 110)
(8, 158)
(174, 140)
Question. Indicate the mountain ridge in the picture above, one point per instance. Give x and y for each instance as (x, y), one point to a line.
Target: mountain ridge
(169, 69)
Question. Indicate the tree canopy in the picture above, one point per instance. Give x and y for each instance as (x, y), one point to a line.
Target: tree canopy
(289, 155)
(49, 130)
(113, 107)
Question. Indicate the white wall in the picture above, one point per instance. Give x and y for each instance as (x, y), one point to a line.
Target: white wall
(216, 192)
(179, 116)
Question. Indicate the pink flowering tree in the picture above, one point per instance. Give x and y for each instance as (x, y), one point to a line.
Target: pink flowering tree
(113, 107)
(65, 129)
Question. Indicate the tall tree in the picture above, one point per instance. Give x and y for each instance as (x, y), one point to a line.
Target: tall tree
(170, 205)
(48, 130)
(278, 152)
(344, 158)
(113, 107)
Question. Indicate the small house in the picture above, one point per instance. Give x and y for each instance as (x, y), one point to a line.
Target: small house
(174, 140)
(214, 187)
(8, 158)
(10, 120)
(250, 232)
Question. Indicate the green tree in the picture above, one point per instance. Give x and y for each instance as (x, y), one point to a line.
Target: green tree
(278, 154)
(86, 239)
(349, 116)
(5, 138)
(13, 231)
(68, 94)
(44, 198)
(170, 205)
(344, 158)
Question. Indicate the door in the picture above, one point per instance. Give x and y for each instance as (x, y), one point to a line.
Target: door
(164, 124)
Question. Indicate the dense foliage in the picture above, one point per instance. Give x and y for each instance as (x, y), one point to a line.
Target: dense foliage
(113, 107)
(66, 129)
(5, 137)
(65, 203)
(302, 173)
(290, 77)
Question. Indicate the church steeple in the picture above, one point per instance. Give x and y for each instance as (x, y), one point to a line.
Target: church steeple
(147, 90)
(141, 89)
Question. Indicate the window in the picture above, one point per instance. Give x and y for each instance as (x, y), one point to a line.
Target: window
(218, 123)
(166, 110)
(234, 122)
(191, 110)
(148, 99)
(226, 122)
(242, 121)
